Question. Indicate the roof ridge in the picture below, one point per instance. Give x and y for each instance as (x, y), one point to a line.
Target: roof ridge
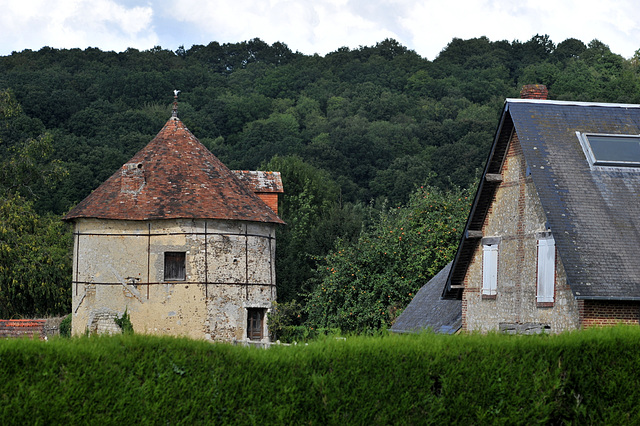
(573, 103)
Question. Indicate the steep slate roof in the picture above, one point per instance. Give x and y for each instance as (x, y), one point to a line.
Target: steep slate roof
(593, 212)
(174, 176)
(428, 311)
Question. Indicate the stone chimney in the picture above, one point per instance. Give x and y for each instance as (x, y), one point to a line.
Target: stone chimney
(133, 179)
(534, 91)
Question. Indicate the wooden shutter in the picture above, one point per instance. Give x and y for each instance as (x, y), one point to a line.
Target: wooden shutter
(174, 266)
(546, 269)
(489, 269)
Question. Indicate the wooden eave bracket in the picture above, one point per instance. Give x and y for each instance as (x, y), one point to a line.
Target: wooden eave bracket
(471, 234)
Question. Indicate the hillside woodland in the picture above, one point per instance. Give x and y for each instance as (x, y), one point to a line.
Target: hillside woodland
(378, 147)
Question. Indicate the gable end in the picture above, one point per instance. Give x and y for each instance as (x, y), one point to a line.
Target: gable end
(479, 209)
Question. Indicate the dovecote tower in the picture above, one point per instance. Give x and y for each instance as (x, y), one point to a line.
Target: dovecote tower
(179, 242)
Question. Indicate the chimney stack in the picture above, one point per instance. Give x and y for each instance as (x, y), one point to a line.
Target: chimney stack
(132, 179)
(534, 91)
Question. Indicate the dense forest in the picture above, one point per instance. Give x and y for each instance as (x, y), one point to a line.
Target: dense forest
(370, 141)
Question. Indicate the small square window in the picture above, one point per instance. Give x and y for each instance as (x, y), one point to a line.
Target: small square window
(255, 320)
(612, 150)
(174, 266)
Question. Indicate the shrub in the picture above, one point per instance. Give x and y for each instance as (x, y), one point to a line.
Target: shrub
(65, 326)
(124, 322)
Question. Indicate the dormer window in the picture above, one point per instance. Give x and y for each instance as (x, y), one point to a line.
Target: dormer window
(611, 150)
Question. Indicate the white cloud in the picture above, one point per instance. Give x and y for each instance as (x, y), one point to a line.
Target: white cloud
(312, 26)
(76, 23)
(433, 24)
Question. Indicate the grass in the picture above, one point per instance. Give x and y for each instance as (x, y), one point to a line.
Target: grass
(582, 377)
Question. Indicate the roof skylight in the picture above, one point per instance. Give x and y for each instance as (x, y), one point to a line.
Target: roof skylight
(612, 150)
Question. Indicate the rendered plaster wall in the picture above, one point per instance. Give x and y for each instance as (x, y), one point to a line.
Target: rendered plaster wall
(118, 265)
(516, 217)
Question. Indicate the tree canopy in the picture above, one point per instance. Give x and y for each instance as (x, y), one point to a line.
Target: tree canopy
(35, 263)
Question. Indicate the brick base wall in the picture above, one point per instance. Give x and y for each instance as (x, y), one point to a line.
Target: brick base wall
(595, 313)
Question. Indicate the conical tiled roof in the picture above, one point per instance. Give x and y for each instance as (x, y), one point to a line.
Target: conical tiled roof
(174, 176)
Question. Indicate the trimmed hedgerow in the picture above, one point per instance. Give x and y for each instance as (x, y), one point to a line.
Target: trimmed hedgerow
(582, 377)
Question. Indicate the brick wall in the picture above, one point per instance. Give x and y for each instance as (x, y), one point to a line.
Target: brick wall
(534, 91)
(594, 313)
(30, 327)
(270, 199)
(22, 328)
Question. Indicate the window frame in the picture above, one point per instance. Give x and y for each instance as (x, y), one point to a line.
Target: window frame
(181, 275)
(591, 157)
(545, 270)
(255, 333)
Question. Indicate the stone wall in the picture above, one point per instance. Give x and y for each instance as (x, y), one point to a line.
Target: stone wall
(22, 328)
(118, 265)
(515, 219)
(41, 328)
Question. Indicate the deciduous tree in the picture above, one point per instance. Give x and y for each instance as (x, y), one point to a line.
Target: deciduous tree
(362, 286)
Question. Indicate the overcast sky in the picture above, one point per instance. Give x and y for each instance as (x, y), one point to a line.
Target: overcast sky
(312, 26)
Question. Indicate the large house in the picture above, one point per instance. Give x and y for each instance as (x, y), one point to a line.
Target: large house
(553, 236)
(181, 243)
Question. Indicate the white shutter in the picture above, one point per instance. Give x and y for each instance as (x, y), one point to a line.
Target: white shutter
(546, 269)
(489, 269)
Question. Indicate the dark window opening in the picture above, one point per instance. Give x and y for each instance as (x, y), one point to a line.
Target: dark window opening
(255, 319)
(174, 266)
(614, 150)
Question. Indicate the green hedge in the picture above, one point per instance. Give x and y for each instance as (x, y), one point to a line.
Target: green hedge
(583, 377)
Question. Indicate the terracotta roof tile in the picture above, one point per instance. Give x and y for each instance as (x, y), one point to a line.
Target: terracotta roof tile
(261, 181)
(174, 176)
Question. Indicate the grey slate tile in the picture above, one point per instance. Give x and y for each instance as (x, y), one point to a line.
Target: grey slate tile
(428, 311)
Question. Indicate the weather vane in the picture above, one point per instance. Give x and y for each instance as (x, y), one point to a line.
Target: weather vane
(175, 103)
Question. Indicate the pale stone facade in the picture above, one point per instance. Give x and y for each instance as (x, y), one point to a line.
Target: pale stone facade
(118, 265)
(516, 219)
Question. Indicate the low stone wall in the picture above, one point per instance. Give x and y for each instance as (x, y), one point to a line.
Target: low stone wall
(52, 326)
(42, 328)
(523, 328)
